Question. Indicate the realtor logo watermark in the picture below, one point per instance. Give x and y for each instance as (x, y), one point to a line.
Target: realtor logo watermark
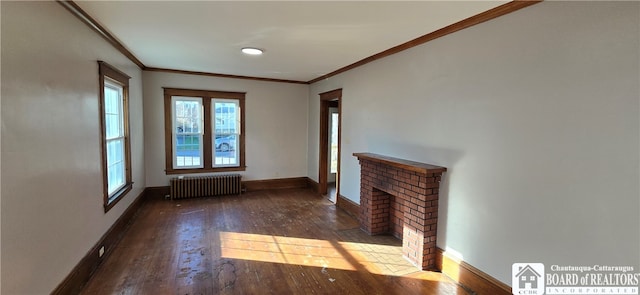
(532, 279)
(527, 278)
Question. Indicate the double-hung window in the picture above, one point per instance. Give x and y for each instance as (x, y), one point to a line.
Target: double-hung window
(116, 156)
(188, 134)
(226, 129)
(203, 131)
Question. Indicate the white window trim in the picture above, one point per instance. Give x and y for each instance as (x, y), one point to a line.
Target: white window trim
(174, 136)
(236, 102)
(110, 83)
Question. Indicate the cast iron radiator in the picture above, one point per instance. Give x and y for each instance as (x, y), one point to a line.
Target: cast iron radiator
(204, 186)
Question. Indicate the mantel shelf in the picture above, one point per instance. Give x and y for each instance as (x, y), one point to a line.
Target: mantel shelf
(401, 163)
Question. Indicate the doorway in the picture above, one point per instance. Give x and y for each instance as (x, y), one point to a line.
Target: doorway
(330, 134)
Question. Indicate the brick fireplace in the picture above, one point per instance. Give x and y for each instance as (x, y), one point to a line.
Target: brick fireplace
(400, 197)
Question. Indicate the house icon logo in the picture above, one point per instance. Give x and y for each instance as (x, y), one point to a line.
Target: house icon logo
(527, 278)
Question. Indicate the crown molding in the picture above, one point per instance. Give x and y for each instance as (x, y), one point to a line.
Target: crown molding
(98, 28)
(152, 69)
(463, 24)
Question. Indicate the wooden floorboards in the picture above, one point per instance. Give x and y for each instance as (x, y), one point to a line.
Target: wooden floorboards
(265, 242)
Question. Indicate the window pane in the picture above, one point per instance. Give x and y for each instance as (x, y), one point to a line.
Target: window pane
(111, 96)
(226, 117)
(112, 123)
(187, 116)
(115, 151)
(113, 115)
(115, 164)
(226, 152)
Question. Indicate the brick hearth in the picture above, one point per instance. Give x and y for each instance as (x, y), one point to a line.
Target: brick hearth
(400, 197)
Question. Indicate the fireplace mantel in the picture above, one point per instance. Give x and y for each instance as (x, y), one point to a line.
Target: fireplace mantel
(400, 197)
(401, 163)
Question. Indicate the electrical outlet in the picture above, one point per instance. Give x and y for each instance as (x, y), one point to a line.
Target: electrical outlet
(101, 251)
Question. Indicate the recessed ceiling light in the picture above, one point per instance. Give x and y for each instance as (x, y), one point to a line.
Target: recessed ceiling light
(252, 51)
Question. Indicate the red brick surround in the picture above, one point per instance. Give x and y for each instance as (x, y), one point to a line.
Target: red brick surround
(400, 197)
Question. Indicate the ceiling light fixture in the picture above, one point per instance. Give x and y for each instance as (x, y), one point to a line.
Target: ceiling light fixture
(252, 51)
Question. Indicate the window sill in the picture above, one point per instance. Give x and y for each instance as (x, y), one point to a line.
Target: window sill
(119, 195)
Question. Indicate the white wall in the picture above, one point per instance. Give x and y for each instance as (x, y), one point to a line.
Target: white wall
(276, 124)
(52, 211)
(536, 116)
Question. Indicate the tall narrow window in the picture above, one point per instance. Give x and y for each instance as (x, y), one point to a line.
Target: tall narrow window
(114, 135)
(116, 156)
(203, 131)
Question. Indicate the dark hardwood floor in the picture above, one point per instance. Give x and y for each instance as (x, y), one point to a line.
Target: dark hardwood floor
(267, 242)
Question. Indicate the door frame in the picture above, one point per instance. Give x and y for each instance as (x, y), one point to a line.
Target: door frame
(326, 99)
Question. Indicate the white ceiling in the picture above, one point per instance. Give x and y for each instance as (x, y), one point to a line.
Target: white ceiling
(302, 40)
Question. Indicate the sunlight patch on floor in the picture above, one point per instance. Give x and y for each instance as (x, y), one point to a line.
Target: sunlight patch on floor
(374, 258)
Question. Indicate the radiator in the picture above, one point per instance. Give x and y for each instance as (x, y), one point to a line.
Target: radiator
(215, 185)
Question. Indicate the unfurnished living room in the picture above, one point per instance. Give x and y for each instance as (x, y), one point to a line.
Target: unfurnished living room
(320, 147)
